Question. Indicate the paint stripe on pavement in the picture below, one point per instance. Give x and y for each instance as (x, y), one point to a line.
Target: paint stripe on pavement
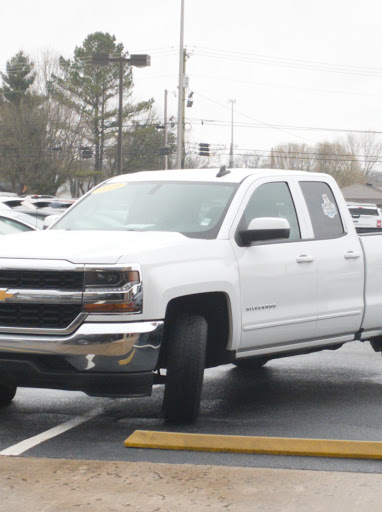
(263, 445)
(27, 444)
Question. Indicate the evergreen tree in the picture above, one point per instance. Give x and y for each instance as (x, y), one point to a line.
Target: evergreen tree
(92, 91)
(17, 80)
(141, 146)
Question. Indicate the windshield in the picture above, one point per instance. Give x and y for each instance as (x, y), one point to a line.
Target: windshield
(359, 210)
(192, 208)
(30, 219)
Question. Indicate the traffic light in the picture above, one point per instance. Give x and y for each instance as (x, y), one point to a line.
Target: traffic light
(166, 150)
(204, 149)
(190, 100)
(86, 152)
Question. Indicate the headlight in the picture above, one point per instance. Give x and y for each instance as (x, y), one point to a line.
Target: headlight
(110, 289)
(102, 278)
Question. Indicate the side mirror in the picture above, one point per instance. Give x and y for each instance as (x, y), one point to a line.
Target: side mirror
(265, 228)
(48, 221)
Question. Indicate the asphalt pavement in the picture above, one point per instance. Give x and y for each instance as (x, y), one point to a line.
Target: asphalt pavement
(326, 395)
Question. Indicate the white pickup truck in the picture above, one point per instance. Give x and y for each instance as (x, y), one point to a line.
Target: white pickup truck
(154, 276)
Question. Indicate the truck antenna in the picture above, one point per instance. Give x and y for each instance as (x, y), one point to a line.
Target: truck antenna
(222, 172)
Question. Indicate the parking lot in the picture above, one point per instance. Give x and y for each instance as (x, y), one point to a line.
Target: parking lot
(328, 395)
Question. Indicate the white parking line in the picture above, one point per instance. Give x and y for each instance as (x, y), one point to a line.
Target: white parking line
(27, 444)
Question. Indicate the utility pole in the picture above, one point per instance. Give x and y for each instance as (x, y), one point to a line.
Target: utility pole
(165, 157)
(179, 137)
(120, 118)
(184, 109)
(272, 160)
(231, 150)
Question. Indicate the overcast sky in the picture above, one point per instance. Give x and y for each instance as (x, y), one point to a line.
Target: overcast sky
(291, 64)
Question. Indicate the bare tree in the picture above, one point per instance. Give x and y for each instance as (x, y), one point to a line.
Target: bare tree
(39, 138)
(250, 161)
(368, 150)
(39, 147)
(335, 159)
(66, 127)
(291, 156)
(351, 160)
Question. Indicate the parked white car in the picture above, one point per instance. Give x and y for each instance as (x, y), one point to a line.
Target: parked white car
(13, 222)
(365, 215)
(34, 208)
(11, 201)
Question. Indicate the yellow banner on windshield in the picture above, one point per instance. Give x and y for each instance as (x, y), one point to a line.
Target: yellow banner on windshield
(107, 188)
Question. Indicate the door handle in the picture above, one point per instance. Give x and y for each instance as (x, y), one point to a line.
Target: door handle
(351, 255)
(304, 258)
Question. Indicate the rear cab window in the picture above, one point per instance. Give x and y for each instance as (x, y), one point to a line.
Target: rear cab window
(361, 210)
(323, 209)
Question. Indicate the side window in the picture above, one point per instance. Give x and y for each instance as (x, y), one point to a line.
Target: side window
(323, 209)
(272, 200)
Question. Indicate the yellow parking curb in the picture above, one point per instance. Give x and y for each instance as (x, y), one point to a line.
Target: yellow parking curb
(264, 445)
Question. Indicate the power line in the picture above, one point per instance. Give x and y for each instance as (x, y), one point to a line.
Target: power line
(239, 124)
(234, 53)
(289, 63)
(286, 153)
(219, 151)
(285, 86)
(311, 159)
(257, 120)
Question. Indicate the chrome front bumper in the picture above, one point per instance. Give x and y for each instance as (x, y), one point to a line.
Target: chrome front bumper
(101, 359)
(95, 347)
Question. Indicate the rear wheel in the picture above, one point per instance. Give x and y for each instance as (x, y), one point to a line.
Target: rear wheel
(253, 363)
(185, 368)
(7, 393)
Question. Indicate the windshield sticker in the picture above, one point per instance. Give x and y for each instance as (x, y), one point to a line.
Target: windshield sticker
(328, 208)
(107, 188)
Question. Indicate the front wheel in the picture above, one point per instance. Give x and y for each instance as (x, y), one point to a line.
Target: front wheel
(7, 393)
(185, 368)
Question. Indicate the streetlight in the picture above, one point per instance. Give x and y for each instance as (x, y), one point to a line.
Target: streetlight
(138, 60)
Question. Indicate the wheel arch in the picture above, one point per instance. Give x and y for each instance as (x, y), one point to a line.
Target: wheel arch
(215, 307)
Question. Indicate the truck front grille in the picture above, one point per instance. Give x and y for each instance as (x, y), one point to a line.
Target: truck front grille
(42, 280)
(53, 316)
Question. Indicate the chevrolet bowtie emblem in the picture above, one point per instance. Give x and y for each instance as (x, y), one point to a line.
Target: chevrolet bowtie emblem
(4, 295)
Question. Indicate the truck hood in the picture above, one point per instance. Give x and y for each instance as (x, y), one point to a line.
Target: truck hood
(93, 247)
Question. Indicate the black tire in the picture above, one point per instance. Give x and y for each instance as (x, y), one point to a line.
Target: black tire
(7, 393)
(254, 363)
(185, 368)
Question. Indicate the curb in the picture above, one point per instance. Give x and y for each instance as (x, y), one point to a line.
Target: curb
(263, 445)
